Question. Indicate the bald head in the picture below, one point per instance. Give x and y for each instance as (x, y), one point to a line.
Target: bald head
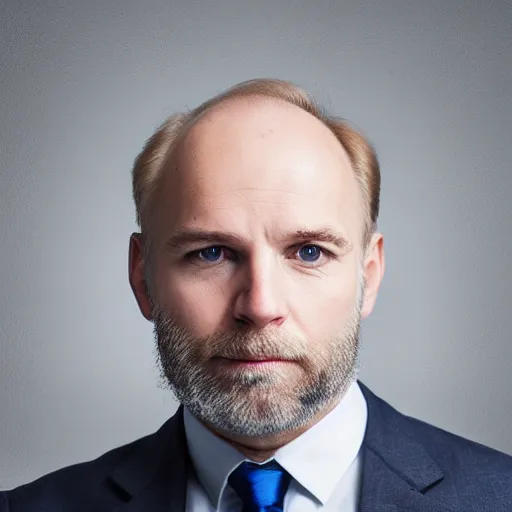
(259, 121)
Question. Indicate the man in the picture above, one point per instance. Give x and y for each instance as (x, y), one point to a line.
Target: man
(258, 258)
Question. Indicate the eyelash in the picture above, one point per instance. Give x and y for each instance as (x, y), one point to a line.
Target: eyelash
(194, 255)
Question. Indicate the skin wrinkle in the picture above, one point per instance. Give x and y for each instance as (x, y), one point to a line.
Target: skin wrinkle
(265, 301)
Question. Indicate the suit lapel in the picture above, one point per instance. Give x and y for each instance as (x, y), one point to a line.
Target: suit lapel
(398, 473)
(154, 476)
(386, 491)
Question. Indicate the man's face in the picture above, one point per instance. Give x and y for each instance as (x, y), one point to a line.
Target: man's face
(258, 331)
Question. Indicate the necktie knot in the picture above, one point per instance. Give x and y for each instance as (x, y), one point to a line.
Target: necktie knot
(261, 487)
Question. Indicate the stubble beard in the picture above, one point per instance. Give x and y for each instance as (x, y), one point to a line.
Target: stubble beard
(257, 403)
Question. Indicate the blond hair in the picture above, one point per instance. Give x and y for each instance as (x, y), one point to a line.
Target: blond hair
(149, 164)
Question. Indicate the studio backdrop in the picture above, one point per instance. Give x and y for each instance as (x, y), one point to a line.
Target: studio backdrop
(83, 84)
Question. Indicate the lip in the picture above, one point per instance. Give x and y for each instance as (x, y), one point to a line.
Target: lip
(251, 362)
(253, 359)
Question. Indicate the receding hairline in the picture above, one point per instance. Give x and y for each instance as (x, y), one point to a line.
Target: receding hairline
(250, 98)
(254, 99)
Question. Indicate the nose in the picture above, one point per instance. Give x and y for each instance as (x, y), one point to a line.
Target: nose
(261, 298)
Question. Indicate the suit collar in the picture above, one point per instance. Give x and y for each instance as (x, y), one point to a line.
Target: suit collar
(388, 434)
(397, 470)
(154, 475)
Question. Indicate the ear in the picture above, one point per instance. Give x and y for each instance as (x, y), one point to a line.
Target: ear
(137, 276)
(374, 266)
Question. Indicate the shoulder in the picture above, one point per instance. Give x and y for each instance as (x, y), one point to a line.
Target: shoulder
(444, 465)
(480, 476)
(458, 454)
(80, 487)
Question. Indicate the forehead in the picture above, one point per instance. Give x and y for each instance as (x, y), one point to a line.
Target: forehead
(258, 158)
(261, 133)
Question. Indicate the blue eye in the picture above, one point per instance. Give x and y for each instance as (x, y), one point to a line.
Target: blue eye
(217, 254)
(310, 253)
(210, 253)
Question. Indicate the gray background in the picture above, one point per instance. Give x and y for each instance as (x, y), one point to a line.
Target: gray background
(83, 84)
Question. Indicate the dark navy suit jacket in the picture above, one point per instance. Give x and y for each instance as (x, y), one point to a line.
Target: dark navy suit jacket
(409, 466)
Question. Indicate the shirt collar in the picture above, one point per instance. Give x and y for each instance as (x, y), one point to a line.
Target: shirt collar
(317, 459)
(213, 458)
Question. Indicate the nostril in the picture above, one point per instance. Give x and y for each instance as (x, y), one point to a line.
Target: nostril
(242, 320)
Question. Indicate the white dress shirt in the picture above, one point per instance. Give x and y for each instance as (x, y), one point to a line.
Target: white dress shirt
(324, 463)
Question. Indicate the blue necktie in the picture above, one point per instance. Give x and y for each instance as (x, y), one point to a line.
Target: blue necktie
(261, 487)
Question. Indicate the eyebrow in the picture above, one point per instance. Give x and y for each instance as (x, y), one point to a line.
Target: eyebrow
(197, 236)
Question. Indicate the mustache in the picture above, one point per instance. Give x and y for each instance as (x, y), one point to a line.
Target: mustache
(255, 345)
(258, 352)
(240, 344)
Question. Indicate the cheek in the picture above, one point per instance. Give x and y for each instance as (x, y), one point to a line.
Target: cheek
(196, 305)
(325, 304)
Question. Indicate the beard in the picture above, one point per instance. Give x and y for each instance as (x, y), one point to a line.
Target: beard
(253, 401)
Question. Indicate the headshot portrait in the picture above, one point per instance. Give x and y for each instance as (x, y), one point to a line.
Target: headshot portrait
(248, 299)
